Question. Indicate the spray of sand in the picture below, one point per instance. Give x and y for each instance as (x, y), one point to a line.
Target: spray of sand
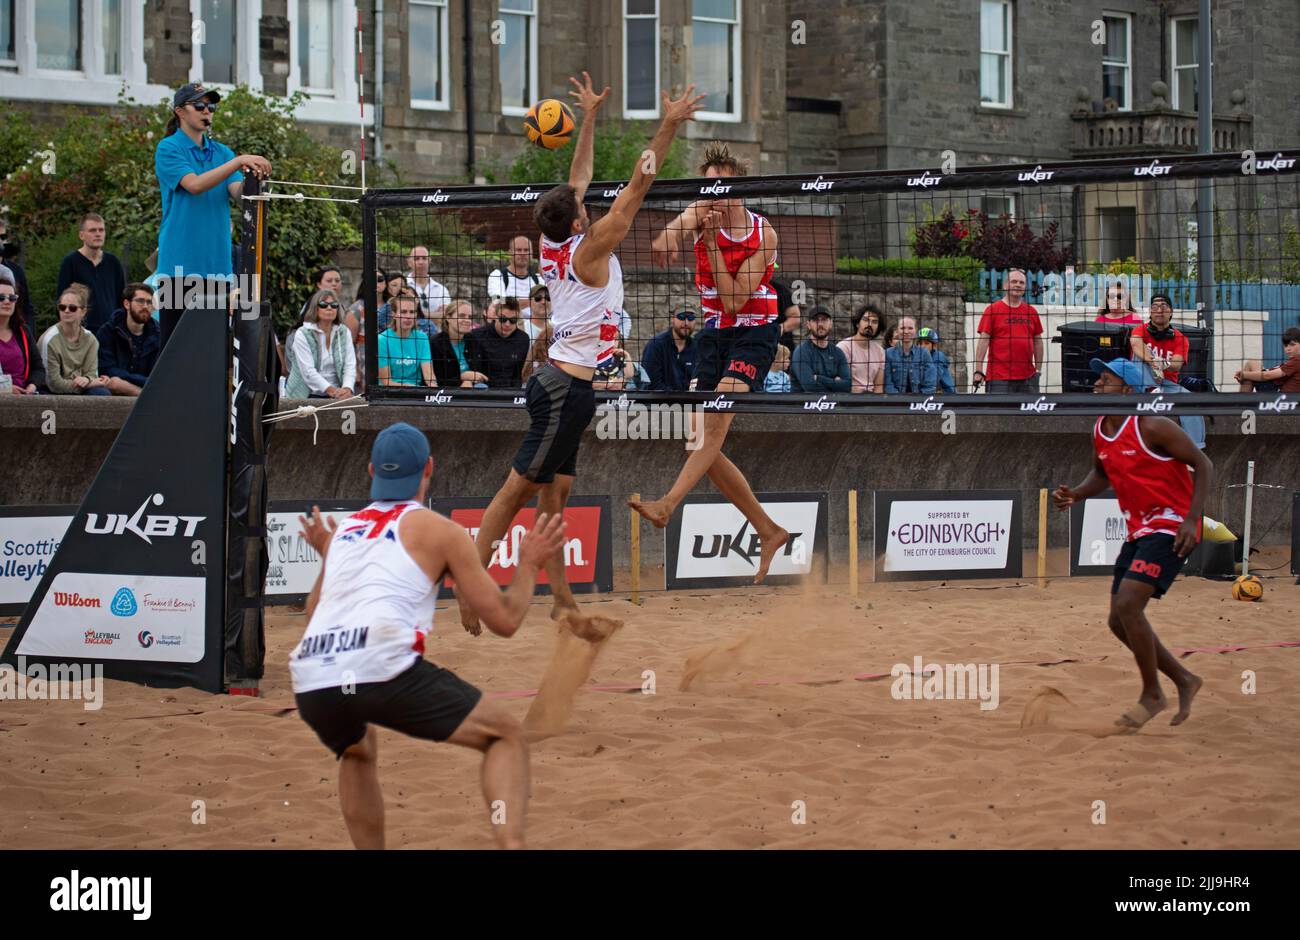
(1048, 708)
(579, 640)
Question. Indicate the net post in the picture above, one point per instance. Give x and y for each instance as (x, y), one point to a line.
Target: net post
(369, 253)
(1042, 538)
(853, 543)
(636, 552)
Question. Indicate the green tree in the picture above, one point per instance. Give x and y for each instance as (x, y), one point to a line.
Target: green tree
(614, 156)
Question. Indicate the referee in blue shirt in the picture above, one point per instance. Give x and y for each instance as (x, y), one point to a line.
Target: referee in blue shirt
(197, 176)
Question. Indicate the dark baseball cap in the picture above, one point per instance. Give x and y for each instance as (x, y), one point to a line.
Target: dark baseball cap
(1164, 297)
(819, 311)
(929, 333)
(193, 92)
(399, 456)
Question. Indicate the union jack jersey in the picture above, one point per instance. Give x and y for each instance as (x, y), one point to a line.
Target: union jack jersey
(585, 319)
(760, 308)
(1154, 492)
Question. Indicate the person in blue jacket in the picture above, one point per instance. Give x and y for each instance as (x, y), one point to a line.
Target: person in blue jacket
(908, 367)
(129, 342)
(928, 339)
(819, 366)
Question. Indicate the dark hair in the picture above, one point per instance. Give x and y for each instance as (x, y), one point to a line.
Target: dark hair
(16, 318)
(321, 272)
(361, 288)
(889, 337)
(173, 124)
(556, 211)
(130, 290)
(862, 310)
(1105, 304)
(511, 303)
(719, 156)
(1291, 335)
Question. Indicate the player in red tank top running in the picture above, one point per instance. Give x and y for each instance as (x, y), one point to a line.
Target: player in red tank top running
(1161, 479)
(735, 254)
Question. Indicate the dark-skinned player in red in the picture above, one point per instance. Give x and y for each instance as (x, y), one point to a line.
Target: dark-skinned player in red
(1161, 480)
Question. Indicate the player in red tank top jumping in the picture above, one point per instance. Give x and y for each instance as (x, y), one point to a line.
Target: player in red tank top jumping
(1161, 479)
(735, 255)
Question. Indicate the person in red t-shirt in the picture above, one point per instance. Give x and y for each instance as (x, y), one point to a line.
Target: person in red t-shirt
(1158, 343)
(1011, 336)
(1285, 378)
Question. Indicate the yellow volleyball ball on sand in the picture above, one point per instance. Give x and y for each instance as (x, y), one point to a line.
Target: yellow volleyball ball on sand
(549, 123)
(1247, 588)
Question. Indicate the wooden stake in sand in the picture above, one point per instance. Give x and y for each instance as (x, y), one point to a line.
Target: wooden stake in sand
(580, 640)
(853, 543)
(636, 552)
(1042, 538)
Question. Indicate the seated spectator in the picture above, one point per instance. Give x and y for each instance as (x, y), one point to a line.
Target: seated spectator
(519, 279)
(540, 353)
(433, 296)
(1159, 344)
(450, 361)
(72, 357)
(405, 357)
(322, 360)
(129, 344)
(616, 373)
(817, 365)
(928, 339)
(20, 360)
(539, 300)
(778, 377)
(1254, 378)
(498, 349)
(422, 323)
(101, 271)
(1118, 308)
(493, 310)
(326, 278)
(908, 367)
(866, 357)
(355, 319)
(669, 357)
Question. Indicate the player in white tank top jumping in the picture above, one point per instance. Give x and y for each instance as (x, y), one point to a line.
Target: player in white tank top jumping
(586, 286)
(360, 663)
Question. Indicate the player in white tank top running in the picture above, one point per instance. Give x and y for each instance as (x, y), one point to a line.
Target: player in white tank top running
(585, 281)
(360, 662)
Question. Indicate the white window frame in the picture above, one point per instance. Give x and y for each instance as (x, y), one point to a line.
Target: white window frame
(641, 114)
(998, 194)
(1127, 64)
(341, 106)
(248, 65)
(1010, 55)
(13, 63)
(512, 110)
(737, 69)
(1175, 68)
(444, 55)
(89, 84)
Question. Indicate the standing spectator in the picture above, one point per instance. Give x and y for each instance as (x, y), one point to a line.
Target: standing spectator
(669, 357)
(197, 177)
(498, 349)
(518, 279)
(908, 367)
(928, 339)
(1160, 344)
(323, 363)
(778, 377)
(817, 365)
(9, 252)
(1118, 308)
(326, 278)
(20, 360)
(1252, 376)
(101, 271)
(1011, 336)
(433, 296)
(72, 357)
(450, 361)
(404, 354)
(866, 357)
(540, 353)
(129, 343)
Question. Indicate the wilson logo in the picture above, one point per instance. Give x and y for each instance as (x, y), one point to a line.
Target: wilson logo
(928, 406)
(62, 599)
(1040, 406)
(438, 398)
(820, 404)
(145, 527)
(1158, 405)
(717, 189)
(1154, 168)
(925, 180)
(818, 185)
(526, 196)
(1036, 175)
(435, 197)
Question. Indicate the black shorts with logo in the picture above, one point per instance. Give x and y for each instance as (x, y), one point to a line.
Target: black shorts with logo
(1151, 560)
(425, 701)
(742, 352)
(561, 407)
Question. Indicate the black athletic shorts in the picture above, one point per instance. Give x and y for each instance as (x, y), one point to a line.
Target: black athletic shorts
(1151, 560)
(742, 352)
(425, 701)
(561, 408)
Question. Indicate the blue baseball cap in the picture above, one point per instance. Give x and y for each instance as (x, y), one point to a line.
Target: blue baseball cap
(399, 456)
(929, 333)
(1132, 374)
(193, 92)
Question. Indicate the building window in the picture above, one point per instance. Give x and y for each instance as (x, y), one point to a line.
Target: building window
(1118, 234)
(995, 54)
(426, 54)
(1116, 63)
(715, 58)
(641, 58)
(218, 41)
(58, 35)
(8, 53)
(1185, 36)
(996, 205)
(315, 35)
(517, 55)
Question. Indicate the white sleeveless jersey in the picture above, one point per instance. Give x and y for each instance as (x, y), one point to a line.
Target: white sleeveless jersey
(376, 605)
(586, 319)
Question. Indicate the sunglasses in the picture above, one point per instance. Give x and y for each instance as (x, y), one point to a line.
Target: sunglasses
(329, 304)
(8, 298)
(689, 317)
(543, 295)
(508, 319)
(68, 308)
(201, 106)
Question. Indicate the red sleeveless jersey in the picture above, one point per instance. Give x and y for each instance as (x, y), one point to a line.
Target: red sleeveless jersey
(760, 308)
(1154, 493)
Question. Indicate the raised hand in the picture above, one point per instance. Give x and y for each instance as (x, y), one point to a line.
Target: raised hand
(678, 110)
(317, 530)
(543, 540)
(585, 96)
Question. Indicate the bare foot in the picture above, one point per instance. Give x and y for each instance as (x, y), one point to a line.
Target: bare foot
(593, 629)
(469, 620)
(1141, 713)
(771, 544)
(656, 511)
(1186, 692)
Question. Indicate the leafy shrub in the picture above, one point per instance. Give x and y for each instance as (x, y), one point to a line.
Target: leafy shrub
(965, 270)
(614, 156)
(998, 243)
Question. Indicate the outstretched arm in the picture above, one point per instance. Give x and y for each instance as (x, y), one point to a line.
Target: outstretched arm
(667, 245)
(735, 292)
(584, 153)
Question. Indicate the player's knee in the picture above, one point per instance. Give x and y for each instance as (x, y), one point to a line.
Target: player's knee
(1127, 608)
(365, 751)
